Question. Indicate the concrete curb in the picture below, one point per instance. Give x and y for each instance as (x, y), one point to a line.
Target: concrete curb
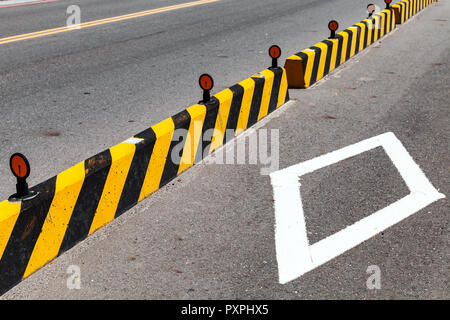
(310, 65)
(84, 198)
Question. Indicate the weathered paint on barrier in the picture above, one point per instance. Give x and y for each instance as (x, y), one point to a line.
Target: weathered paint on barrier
(89, 195)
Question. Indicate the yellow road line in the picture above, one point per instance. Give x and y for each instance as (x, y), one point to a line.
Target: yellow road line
(102, 21)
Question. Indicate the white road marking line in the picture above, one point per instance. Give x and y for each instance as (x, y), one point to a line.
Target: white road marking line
(294, 254)
(133, 140)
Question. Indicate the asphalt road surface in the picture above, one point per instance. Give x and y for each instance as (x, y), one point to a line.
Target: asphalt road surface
(67, 96)
(210, 233)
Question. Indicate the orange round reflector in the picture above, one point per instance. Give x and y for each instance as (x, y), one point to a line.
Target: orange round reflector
(387, 1)
(206, 82)
(333, 25)
(20, 166)
(371, 8)
(274, 52)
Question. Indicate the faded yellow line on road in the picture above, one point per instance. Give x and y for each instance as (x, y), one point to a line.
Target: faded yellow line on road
(102, 21)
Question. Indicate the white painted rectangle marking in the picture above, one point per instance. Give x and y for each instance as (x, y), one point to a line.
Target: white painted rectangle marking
(294, 254)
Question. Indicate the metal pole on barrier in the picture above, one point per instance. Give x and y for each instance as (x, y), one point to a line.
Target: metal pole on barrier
(20, 168)
(370, 9)
(274, 53)
(333, 25)
(388, 3)
(206, 83)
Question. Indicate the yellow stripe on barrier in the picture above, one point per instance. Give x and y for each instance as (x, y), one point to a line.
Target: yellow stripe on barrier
(344, 46)
(268, 84)
(164, 132)
(122, 156)
(9, 212)
(225, 98)
(283, 90)
(382, 24)
(197, 113)
(323, 58)
(68, 187)
(354, 38)
(249, 89)
(361, 37)
(369, 31)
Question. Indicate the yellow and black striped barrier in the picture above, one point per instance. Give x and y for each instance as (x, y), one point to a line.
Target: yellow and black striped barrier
(77, 202)
(312, 64)
(407, 8)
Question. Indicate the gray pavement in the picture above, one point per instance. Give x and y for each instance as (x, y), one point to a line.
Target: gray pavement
(67, 96)
(210, 234)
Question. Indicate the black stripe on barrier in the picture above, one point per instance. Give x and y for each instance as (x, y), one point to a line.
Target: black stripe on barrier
(256, 101)
(349, 44)
(233, 118)
(212, 109)
(339, 50)
(97, 169)
(182, 120)
(278, 73)
(358, 38)
(315, 68)
(304, 57)
(25, 233)
(136, 174)
(404, 10)
(366, 32)
(374, 29)
(369, 31)
(328, 57)
(385, 16)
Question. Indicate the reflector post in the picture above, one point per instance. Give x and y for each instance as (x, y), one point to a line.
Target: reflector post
(206, 82)
(274, 53)
(370, 9)
(333, 25)
(20, 168)
(388, 3)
